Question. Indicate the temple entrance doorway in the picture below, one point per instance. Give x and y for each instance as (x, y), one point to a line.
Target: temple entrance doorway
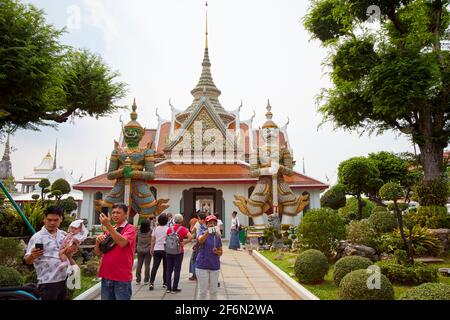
(208, 200)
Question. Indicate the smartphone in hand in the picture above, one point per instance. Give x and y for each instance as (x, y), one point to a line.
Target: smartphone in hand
(39, 246)
(105, 211)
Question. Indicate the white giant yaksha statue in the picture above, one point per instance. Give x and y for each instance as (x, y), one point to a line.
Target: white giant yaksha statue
(270, 163)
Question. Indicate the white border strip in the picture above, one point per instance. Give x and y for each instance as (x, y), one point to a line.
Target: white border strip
(293, 285)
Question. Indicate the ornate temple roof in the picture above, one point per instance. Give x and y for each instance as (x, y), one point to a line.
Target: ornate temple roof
(207, 109)
(46, 163)
(206, 88)
(168, 172)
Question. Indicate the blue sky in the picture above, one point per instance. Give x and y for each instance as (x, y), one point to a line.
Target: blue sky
(258, 49)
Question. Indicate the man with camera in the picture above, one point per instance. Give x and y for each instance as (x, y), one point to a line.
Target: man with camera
(43, 252)
(208, 259)
(116, 247)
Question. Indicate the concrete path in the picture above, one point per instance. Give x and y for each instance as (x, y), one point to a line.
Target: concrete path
(241, 278)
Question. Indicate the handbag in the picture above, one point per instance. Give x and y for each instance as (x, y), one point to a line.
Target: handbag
(108, 244)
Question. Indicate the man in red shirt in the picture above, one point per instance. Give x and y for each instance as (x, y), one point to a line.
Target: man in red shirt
(116, 268)
(174, 261)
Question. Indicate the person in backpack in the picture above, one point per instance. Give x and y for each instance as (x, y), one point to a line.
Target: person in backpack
(143, 251)
(117, 250)
(157, 249)
(208, 259)
(175, 251)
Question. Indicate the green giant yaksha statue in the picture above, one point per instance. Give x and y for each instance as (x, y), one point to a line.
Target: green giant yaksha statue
(133, 169)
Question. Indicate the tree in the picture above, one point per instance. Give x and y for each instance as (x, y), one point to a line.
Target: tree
(43, 82)
(395, 168)
(392, 191)
(59, 188)
(359, 176)
(68, 205)
(334, 197)
(44, 184)
(396, 77)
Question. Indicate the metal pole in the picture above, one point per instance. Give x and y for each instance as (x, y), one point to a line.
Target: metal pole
(30, 227)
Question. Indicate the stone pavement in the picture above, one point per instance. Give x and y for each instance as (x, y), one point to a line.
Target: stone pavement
(241, 278)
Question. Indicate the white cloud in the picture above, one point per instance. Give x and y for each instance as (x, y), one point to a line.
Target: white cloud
(100, 18)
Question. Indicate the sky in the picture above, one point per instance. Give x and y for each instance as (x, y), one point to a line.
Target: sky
(259, 50)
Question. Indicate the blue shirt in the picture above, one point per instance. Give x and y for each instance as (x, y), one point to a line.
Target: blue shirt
(206, 259)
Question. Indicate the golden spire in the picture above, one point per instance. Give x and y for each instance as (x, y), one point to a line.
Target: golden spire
(206, 35)
(269, 115)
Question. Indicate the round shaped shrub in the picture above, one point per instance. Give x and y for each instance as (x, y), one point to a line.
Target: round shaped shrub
(428, 291)
(348, 264)
(311, 266)
(321, 229)
(361, 232)
(350, 211)
(391, 191)
(334, 198)
(354, 286)
(382, 221)
(10, 277)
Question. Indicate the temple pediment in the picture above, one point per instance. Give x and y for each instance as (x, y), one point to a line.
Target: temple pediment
(203, 130)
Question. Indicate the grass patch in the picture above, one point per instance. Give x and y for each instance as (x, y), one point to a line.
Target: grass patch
(327, 290)
(86, 283)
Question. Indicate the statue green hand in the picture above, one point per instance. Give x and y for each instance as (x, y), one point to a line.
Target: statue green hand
(127, 172)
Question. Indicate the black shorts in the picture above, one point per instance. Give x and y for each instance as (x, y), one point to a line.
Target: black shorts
(53, 291)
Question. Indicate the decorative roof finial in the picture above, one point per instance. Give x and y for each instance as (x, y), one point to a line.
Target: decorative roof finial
(206, 34)
(269, 122)
(133, 115)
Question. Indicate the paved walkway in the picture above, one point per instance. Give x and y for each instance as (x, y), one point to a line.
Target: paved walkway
(241, 278)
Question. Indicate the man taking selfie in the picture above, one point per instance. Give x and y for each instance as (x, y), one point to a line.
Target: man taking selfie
(116, 247)
(43, 252)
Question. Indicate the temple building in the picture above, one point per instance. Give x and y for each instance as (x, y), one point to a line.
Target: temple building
(47, 169)
(30, 182)
(202, 158)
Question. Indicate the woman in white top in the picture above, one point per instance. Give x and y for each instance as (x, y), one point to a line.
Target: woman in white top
(234, 239)
(159, 236)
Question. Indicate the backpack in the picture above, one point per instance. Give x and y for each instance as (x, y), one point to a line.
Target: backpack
(173, 245)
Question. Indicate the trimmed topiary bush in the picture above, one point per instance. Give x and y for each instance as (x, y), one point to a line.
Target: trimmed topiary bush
(321, 229)
(311, 266)
(354, 287)
(362, 232)
(382, 221)
(10, 277)
(433, 217)
(334, 198)
(348, 264)
(428, 291)
(350, 211)
(415, 274)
